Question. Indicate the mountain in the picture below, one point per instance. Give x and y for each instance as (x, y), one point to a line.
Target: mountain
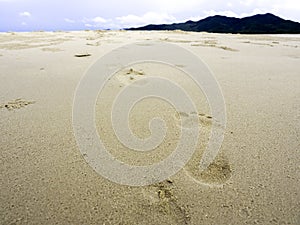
(257, 24)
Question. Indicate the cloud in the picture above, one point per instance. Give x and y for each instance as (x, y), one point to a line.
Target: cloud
(222, 13)
(147, 18)
(99, 20)
(25, 14)
(96, 22)
(69, 20)
(233, 14)
(128, 20)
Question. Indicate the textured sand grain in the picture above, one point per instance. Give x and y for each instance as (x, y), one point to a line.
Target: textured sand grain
(45, 180)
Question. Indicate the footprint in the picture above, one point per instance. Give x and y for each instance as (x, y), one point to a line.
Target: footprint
(134, 72)
(162, 196)
(217, 173)
(219, 170)
(16, 104)
(189, 120)
(186, 120)
(132, 76)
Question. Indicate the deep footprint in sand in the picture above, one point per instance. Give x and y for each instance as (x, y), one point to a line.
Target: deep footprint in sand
(16, 104)
(217, 173)
(219, 170)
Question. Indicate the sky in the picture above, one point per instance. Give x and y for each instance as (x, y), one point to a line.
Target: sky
(34, 15)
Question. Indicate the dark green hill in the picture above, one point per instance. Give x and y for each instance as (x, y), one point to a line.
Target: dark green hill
(257, 24)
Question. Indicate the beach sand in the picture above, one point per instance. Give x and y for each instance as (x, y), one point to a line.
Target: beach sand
(45, 180)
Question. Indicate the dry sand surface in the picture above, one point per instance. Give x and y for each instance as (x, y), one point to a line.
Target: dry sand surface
(254, 180)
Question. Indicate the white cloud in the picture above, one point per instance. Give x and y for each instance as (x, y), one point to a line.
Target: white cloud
(23, 23)
(96, 22)
(254, 12)
(233, 14)
(222, 13)
(99, 20)
(229, 4)
(69, 20)
(25, 14)
(128, 21)
(147, 18)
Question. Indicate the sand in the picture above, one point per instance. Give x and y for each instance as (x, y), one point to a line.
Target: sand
(254, 180)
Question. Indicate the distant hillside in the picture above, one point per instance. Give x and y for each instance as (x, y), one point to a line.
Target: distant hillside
(257, 24)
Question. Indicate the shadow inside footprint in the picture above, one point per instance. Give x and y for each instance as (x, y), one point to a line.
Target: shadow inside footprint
(162, 198)
(169, 203)
(217, 173)
(205, 120)
(16, 104)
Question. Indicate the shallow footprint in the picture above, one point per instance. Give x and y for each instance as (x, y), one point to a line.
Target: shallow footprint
(131, 76)
(189, 120)
(186, 120)
(16, 104)
(205, 120)
(162, 196)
